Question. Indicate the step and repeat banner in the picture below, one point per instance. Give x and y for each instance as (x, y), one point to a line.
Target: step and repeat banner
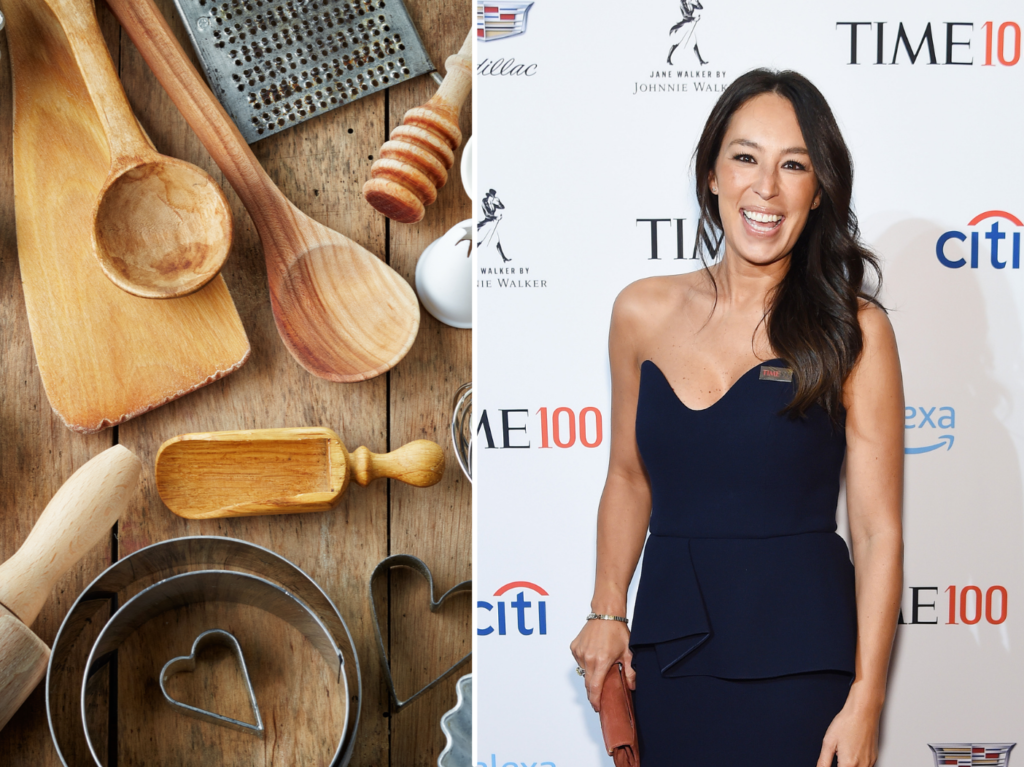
(588, 115)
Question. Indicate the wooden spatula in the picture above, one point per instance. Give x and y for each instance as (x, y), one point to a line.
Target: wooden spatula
(278, 471)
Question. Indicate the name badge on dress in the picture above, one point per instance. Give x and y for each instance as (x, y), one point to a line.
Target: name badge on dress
(769, 373)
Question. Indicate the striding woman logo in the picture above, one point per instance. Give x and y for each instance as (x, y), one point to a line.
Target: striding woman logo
(685, 30)
(487, 227)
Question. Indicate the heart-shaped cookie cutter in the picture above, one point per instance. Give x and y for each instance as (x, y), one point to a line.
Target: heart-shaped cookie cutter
(413, 563)
(298, 595)
(188, 663)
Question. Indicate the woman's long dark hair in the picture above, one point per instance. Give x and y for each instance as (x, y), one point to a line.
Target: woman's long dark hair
(811, 315)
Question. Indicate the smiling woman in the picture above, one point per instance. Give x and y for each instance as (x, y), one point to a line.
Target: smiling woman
(751, 628)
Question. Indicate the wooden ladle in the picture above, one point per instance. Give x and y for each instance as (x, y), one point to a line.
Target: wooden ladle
(278, 471)
(161, 226)
(342, 312)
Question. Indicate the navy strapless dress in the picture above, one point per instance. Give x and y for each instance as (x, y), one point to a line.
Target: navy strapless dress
(745, 626)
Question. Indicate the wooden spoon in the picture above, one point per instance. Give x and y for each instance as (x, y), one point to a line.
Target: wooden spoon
(278, 471)
(343, 313)
(161, 226)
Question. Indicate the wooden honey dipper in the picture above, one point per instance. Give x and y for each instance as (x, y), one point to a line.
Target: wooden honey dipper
(414, 163)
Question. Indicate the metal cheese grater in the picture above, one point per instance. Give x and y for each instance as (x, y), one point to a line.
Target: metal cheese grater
(275, 63)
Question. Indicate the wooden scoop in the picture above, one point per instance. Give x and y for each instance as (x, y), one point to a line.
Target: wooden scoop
(76, 519)
(343, 313)
(414, 164)
(278, 471)
(161, 226)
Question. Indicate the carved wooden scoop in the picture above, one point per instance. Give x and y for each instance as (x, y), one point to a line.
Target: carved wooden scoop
(161, 226)
(342, 312)
(278, 471)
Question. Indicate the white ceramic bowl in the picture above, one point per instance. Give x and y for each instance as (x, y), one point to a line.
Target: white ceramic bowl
(444, 276)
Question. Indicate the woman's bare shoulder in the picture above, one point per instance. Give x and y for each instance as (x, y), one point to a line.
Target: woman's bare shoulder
(649, 298)
(877, 371)
(875, 327)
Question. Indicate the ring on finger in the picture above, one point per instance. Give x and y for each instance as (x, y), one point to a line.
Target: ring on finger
(581, 671)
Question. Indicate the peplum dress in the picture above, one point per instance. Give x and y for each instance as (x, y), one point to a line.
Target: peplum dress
(744, 627)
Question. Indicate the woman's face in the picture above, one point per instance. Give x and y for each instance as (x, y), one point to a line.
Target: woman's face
(764, 181)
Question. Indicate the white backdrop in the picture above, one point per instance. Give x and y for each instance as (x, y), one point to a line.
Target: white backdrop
(585, 133)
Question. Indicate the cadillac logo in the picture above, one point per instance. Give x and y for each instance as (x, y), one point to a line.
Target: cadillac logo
(497, 20)
(972, 754)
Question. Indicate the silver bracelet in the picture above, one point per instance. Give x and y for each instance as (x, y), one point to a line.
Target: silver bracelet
(596, 617)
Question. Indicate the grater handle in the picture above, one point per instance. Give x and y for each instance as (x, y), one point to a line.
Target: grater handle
(149, 31)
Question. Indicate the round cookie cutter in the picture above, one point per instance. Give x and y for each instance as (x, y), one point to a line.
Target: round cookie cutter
(271, 583)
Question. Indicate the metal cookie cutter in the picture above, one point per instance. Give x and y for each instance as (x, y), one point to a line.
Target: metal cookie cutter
(413, 563)
(88, 638)
(457, 726)
(188, 663)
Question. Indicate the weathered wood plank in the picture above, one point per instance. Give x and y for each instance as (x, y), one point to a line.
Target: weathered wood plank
(37, 452)
(435, 524)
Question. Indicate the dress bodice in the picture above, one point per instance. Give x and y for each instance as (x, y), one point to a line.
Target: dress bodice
(744, 575)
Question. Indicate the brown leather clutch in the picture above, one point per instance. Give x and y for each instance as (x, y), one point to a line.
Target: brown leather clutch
(618, 724)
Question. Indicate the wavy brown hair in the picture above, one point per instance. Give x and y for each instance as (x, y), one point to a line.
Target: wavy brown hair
(811, 315)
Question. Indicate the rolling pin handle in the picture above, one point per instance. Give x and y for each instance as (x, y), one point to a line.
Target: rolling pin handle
(419, 463)
(77, 517)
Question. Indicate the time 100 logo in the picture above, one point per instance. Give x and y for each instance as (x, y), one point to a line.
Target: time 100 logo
(560, 427)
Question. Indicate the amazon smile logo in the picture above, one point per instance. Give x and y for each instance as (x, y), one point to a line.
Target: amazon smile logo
(927, 422)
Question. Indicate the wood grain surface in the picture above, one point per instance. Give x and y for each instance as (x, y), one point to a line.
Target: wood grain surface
(321, 166)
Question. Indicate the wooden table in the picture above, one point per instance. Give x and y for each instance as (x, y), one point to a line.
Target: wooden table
(321, 166)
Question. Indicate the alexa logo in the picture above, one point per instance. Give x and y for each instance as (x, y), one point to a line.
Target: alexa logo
(531, 612)
(1001, 249)
(971, 754)
(927, 423)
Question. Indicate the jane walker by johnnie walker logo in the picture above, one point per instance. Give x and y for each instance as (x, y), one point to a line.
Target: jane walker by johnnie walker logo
(686, 68)
(494, 273)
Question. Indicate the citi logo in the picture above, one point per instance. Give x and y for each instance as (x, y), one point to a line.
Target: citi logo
(893, 43)
(999, 255)
(531, 615)
(938, 418)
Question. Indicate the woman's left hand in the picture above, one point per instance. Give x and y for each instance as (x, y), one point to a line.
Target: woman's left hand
(853, 736)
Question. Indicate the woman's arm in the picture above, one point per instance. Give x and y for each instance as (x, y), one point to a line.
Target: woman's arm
(625, 506)
(873, 396)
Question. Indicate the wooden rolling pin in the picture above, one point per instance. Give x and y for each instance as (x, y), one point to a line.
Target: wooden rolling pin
(76, 519)
(414, 164)
(278, 471)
